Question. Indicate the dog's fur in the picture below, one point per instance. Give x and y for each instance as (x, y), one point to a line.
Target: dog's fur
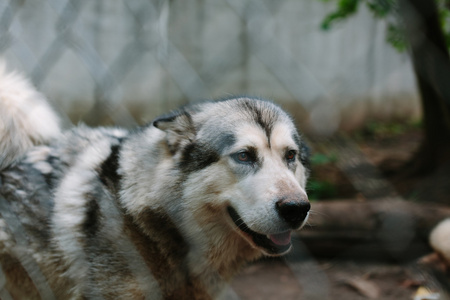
(170, 210)
(25, 117)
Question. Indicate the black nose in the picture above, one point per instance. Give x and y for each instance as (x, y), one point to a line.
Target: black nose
(293, 210)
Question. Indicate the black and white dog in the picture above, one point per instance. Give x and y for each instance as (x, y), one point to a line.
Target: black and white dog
(170, 210)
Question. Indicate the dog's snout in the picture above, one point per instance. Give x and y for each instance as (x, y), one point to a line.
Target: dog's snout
(293, 210)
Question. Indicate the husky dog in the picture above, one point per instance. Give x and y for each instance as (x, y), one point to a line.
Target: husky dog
(170, 210)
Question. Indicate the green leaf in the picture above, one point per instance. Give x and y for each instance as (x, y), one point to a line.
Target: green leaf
(320, 190)
(322, 159)
(345, 8)
(396, 37)
(385, 9)
(381, 8)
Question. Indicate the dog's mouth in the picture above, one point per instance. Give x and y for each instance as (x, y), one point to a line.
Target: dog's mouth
(272, 244)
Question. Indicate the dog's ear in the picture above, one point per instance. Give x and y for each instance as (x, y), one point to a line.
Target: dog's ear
(179, 128)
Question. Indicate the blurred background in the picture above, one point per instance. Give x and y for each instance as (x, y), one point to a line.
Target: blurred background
(353, 74)
(138, 59)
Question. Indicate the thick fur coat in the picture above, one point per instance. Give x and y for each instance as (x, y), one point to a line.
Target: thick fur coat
(170, 210)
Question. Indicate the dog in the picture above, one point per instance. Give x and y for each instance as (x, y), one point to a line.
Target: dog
(170, 210)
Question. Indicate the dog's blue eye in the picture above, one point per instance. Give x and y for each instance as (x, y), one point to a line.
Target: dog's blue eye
(290, 155)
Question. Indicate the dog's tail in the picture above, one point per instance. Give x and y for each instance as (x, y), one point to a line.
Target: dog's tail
(26, 118)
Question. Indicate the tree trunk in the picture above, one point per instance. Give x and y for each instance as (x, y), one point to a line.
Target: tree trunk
(432, 68)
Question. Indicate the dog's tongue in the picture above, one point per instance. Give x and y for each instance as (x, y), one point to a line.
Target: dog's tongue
(281, 239)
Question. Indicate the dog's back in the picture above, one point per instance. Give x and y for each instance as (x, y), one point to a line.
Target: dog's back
(63, 234)
(35, 157)
(51, 246)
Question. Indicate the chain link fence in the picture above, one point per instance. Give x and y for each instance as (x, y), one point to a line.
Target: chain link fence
(124, 61)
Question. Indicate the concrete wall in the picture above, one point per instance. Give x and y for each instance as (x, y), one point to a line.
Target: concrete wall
(140, 58)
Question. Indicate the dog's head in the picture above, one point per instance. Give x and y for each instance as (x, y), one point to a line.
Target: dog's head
(244, 166)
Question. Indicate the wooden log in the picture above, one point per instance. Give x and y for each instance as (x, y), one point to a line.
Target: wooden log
(385, 228)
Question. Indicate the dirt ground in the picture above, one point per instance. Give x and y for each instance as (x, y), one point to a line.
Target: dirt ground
(335, 280)
(318, 278)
